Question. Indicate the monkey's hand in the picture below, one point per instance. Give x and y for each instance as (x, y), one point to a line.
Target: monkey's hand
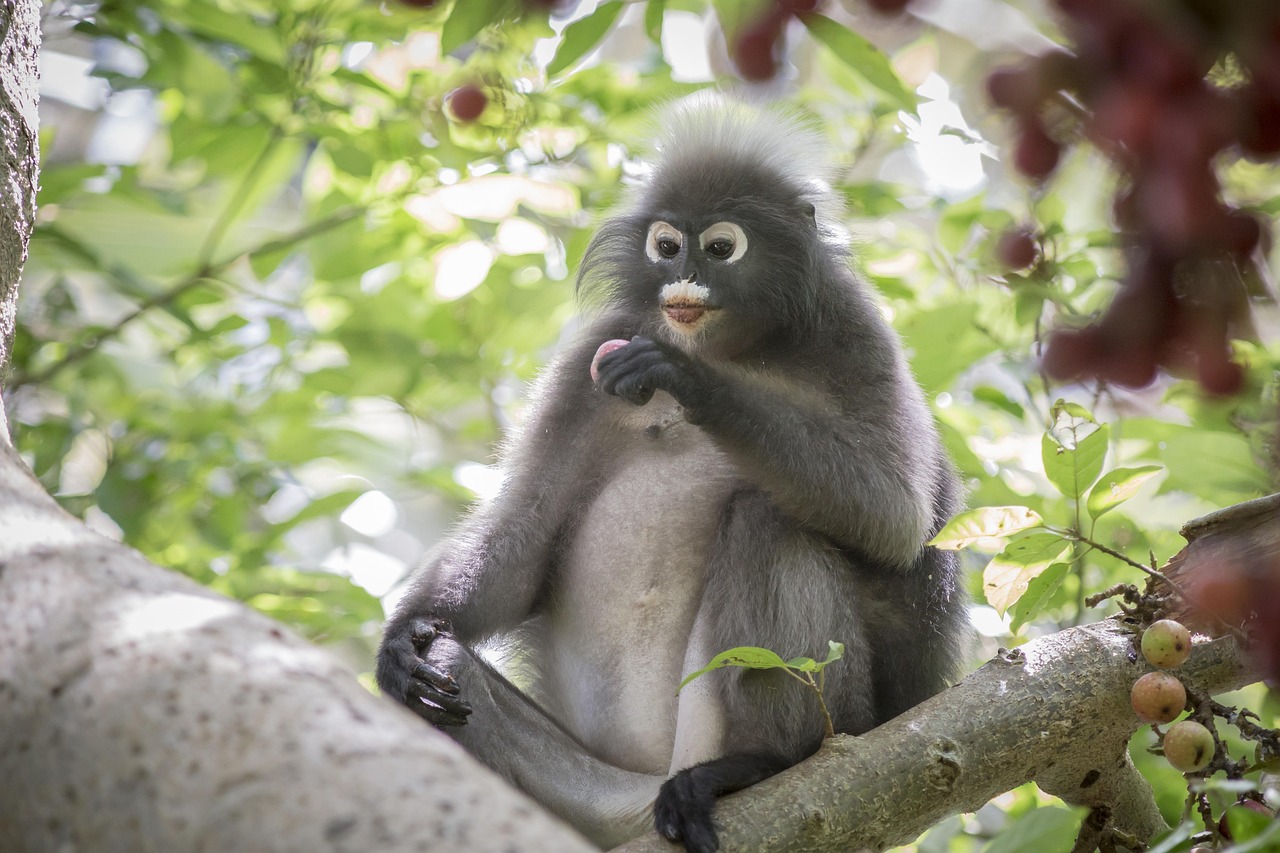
(404, 674)
(634, 372)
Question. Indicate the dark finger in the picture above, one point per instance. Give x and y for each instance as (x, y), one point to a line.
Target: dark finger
(437, 716)
(639, 394)
(440, 680)
(419, 691)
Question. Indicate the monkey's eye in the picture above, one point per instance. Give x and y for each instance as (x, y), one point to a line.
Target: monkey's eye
(664, 241)
(724, 241)
(720, 249)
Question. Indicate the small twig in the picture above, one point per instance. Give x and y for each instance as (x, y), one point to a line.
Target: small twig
(1076, 536)
(90, 344)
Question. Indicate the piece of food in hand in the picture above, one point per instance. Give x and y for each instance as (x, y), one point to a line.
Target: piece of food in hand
(605, 348)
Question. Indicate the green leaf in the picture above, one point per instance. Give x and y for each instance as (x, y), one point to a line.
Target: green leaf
(996, 398)
(1007, 576)
(582, 35)
(263, 38)
(1118, 486)
(1075, 410)
(1175, 839)
(835, 651)
(466, 20)
(1212, 463)
(1247, 825)
(653, 13)
(1038, 594)
(1074, 470)
(733, 15)
(1045, 830)
(752, 657)
(988, 522)
(863, 57)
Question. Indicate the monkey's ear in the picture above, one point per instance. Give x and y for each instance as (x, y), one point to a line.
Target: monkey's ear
(810, 213)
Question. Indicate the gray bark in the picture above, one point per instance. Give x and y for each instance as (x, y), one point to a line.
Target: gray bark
(1055, 712)
(141, 712)
(19, 159)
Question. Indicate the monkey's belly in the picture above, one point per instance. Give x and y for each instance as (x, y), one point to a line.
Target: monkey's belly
(633, 577)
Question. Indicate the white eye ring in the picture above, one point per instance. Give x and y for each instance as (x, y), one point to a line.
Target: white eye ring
(725, 232)
(659, 233)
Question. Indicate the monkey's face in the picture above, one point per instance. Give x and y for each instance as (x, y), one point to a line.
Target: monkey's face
(721, 282)
(688, 264)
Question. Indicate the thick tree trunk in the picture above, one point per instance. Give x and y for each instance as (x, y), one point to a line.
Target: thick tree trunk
(19, 158)
(139, 711)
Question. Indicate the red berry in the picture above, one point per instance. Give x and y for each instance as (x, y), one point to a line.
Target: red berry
(1071, 353)
(1179, 206)
(1125, 117)
(1036, 154)
(1166, 643)
(1218, 375)
(467, 102)
(1260, 122)
(1158, 697)
(1014, 88)
(888, 7)
(1129, 363)
(1017, 249)
(1189, 746)
(755, 52)
(1224, 825)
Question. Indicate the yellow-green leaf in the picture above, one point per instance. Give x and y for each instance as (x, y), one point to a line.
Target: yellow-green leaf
(864, 58)
(582, 35)
(988, 522)
(1073, 469)
(1007, 575)
(1039, 591)
(1117, 486)
(752, 657)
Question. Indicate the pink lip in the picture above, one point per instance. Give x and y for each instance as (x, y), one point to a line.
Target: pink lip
(685, 312)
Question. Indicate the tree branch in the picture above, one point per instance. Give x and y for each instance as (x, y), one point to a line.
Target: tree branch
(141, 711)
(175, 290)
(1055, 711)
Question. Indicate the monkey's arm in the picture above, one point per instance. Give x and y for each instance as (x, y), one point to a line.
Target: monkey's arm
(489, 576)
(859, 471)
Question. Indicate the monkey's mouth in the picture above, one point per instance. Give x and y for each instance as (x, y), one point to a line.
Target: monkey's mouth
(686, 312)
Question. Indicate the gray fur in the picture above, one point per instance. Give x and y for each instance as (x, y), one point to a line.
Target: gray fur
(765, 473)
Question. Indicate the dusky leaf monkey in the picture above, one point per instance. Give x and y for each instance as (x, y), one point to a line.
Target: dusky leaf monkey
(752, 464)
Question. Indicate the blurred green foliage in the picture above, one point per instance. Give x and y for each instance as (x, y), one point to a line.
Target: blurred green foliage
(273, 344)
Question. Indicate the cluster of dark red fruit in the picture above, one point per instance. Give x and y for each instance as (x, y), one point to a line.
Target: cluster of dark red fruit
(1142, 73)
(756, 48)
